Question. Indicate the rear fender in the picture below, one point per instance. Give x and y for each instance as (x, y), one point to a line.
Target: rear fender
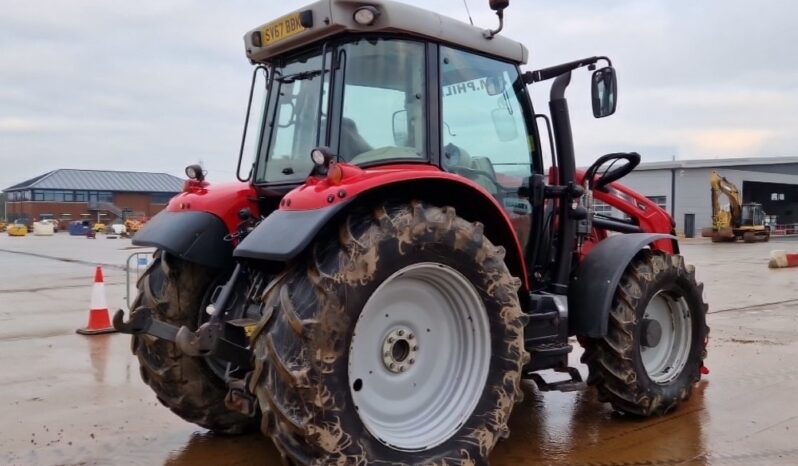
(305, 211)
(192, 236)
(195, 223)
(595, 281)
(225, 201)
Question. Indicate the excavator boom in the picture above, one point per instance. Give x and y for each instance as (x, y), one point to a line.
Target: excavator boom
(720, 184)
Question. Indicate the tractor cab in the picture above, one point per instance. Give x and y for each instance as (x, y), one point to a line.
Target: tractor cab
(392, 86)
(376, 85)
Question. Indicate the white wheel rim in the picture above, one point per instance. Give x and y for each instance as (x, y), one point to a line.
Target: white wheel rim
(666, 360)
(418, 405)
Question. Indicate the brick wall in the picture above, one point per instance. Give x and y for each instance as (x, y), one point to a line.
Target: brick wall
(137, 202)
(68, 211)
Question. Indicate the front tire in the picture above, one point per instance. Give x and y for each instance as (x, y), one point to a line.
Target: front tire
(349, 364)
(184, 384)
(655, 345)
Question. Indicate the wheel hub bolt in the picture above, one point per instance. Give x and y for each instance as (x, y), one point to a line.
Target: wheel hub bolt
(398, 353)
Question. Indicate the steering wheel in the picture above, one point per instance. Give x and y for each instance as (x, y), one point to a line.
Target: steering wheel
(453, 157)
(613, 174)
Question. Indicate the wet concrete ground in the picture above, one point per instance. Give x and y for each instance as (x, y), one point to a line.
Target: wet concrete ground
(66, 399)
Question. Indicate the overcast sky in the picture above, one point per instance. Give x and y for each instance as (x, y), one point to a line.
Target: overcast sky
(154, 85)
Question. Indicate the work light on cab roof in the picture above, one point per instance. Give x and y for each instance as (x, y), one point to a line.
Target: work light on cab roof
(366, 15)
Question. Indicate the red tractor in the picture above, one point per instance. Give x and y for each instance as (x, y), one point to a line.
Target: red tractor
(397, 259)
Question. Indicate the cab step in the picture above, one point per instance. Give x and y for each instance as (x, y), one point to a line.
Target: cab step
(573, 384)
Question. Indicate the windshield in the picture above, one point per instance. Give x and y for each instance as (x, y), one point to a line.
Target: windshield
(293, 120)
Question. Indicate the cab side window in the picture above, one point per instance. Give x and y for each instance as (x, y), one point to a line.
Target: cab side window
(484, 131)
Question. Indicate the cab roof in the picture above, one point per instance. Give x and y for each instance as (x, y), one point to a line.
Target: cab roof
(325, 18)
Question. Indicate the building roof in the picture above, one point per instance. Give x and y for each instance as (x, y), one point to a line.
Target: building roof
(710, 163)
(103, 180)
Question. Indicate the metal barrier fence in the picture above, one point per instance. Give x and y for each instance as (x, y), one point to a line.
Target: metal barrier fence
(784, 229)
(140, 262)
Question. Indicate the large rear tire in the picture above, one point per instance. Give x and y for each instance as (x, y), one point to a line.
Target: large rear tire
(656, 339)
(184, 384)
(398, 340)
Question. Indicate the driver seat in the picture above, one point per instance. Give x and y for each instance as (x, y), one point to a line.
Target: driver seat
(352, 143)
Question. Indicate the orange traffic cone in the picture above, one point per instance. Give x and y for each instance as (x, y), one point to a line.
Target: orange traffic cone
(99, 318)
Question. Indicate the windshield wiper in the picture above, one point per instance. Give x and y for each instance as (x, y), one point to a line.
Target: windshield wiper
(302, 75)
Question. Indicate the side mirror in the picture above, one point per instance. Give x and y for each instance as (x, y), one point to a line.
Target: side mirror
(498, 5)
(504, 123)
(494, 85)
(400, 128)
(287, 115)
(604, 90)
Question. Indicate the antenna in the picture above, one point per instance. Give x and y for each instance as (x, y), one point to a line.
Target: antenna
(465, 2)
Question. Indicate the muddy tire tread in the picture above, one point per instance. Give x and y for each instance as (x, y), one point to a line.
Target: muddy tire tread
(610, 360)
(292, 400)
(183, 384)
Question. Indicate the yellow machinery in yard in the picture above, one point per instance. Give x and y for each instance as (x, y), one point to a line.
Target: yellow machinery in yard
(746, 221)
(133, 226)
(17, 229)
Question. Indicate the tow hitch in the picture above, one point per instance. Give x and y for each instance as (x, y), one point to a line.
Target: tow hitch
(208, 341)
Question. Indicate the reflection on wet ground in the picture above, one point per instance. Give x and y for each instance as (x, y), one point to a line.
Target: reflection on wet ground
(573, 430)
(204, 448)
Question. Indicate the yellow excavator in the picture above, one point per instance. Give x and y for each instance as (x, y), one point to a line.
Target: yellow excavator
(740, 221)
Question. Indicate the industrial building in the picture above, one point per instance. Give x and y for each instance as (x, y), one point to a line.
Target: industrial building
(96, 195)
(682, 187)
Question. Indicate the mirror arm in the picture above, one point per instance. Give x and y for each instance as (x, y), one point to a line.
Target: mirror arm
(545, 74)
(491, 33)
